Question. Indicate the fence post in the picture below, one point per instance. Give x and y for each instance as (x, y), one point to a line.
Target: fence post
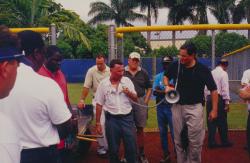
(53, 34)
(112, 43)
(213, 49)
(120, 50)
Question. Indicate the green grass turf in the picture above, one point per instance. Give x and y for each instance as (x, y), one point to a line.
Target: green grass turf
(237, 116)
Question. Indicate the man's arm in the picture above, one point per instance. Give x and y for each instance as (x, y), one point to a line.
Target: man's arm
(64, 129)
(213, 114)
(130, 94)
(98, 117)
(81, 103)
(148, 94)
(245, 93)
(166, 83)
(225, 91)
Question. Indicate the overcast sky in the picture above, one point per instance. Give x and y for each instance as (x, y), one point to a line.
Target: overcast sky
(82, 8)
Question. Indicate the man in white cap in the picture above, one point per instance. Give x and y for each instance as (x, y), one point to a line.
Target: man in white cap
(141, 81)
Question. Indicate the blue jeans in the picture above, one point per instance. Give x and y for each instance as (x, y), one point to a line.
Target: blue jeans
(164, 117)
(121, 128)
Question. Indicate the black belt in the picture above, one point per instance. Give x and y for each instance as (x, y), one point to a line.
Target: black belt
(51, 147)
(107, 114)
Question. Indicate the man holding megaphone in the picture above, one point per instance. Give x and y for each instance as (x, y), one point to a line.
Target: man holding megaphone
(190, 77)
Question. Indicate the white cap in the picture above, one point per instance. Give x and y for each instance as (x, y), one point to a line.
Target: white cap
(134, 55)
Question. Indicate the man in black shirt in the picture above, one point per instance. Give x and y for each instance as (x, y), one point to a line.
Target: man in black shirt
(141, 81)
(191, 77)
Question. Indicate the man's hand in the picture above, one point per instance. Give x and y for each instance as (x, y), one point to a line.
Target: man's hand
(212, 115)
(126, 91)
(168, 88)
(146, 101)
(227, 108)
(98, 129)
(81, 104)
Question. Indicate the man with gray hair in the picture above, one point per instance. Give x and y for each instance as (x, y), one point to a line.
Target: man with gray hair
(143, 88)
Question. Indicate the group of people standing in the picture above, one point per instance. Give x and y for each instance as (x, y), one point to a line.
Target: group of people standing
(121, 101)
(37, 112)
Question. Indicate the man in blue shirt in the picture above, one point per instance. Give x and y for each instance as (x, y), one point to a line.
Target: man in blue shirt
(164, 114)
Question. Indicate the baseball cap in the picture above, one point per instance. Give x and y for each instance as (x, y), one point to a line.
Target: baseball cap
(134, 55)
(223, 61)
(167, 59)
(9, 53)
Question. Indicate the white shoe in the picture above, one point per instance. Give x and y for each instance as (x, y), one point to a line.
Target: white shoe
(101, 151)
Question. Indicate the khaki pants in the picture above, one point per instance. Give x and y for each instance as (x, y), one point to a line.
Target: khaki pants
(102, 142)
(192, 115)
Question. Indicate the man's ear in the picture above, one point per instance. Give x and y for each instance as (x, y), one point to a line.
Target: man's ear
(36, 54)
(3, 69)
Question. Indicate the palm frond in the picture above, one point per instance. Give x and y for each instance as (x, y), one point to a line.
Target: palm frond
(71, 32)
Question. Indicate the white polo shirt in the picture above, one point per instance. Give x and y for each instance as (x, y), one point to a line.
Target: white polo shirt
(245, 77)
(114, 101)
(10, 148)
(35, 104)
(94, 77)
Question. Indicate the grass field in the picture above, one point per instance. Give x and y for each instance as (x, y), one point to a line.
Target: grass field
(237, 116)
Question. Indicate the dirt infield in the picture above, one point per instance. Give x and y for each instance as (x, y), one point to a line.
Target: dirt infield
(235, 154)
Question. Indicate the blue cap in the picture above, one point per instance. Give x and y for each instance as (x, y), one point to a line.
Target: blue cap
(10, 53)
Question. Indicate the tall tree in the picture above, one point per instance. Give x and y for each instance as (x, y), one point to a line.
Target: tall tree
(151, 8)
(119, 11)
(193, 10)
(241, 12)
(34, 13)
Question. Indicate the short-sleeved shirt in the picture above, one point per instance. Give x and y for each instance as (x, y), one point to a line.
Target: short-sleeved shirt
(59, 78)
(140, 80)
(158, 83)
(35, 105)
(221, 79)
(245, 77)
(114, 100)
(94, 77)
(10, 147)
(191, 82)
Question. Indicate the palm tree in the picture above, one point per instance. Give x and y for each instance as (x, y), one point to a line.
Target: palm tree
(178, 13)
(151, 7)
(34, 13)
(193, 10)
(241, 12)
(119, 11)
(222, 10)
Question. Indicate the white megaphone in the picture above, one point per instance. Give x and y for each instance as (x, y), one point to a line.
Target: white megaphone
(172, 96)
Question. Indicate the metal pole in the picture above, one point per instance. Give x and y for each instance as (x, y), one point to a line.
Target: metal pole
(213, 49)
(173, 38)
(120, 49)
(53, 34)
(111, 43)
